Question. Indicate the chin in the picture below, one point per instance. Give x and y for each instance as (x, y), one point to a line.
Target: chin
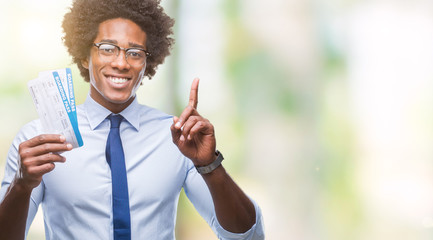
(119, 100)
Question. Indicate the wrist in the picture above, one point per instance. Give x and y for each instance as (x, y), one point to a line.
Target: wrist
(19, 190)
(21, 185)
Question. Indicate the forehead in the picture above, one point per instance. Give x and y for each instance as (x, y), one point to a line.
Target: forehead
(120, 30)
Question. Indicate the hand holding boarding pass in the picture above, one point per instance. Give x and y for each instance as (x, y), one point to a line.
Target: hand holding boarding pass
(53, 96)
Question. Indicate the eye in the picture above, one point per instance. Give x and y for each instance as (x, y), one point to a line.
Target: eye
(135, 53)
(107, 49)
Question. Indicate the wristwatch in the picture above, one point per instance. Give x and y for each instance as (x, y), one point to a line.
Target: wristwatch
(209, 168)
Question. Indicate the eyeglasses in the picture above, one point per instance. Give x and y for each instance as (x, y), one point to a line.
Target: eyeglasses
(108, 52)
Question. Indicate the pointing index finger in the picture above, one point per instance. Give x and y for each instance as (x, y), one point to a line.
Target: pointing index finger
(193, 95)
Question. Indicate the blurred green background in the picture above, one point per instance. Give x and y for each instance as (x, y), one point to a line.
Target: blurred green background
(322, 108)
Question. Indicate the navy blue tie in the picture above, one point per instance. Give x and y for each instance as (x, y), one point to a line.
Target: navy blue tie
(116, 160)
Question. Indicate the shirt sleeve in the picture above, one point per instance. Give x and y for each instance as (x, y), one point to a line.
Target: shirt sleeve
(198, 193)
(11, 168)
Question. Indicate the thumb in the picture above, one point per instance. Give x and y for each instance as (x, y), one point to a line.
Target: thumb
(175, 133)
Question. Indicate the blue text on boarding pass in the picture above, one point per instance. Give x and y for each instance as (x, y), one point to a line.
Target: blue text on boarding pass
(54, 99)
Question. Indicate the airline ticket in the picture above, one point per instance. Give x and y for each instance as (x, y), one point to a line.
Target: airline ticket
(54, 99)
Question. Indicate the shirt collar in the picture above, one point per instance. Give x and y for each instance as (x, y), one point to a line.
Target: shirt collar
(96, 113)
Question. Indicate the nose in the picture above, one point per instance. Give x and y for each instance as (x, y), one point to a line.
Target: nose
(120, 62)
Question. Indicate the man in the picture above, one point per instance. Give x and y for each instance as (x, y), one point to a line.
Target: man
(125, 181)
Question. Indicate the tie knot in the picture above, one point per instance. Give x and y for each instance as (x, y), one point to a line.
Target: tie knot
(115, 120)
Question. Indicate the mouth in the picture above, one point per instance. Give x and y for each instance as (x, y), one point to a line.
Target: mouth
(117, 79)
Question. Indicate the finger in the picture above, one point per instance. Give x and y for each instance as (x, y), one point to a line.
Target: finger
(173, 127)
(44, 159)
(37, 171)
(203, 126)
(187, 112)
(45, 148)
(193, 95)
(44, 138)
(175, 132)
(37, 166)
(175, 119)
(188, 125)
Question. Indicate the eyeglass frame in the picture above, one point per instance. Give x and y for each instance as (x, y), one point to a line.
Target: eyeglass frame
(148, 54)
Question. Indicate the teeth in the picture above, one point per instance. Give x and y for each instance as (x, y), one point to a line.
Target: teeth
(118, 80)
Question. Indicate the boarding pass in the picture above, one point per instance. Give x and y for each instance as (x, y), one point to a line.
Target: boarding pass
(53, 96)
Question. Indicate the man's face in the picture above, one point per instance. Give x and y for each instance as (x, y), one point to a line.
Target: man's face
(113, 83)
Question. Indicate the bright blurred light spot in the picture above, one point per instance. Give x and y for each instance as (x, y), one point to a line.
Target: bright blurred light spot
(40, 43)
(32, 31)
(32, 37)
(389, 65)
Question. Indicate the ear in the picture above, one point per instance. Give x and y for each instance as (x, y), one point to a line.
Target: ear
(85, 63)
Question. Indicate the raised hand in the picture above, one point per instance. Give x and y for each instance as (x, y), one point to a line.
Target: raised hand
(38, 156)
(193, 134)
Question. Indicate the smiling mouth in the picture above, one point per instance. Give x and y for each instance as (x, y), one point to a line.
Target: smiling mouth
(118, 80)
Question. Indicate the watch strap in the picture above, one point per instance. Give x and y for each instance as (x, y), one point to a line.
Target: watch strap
(209, 168)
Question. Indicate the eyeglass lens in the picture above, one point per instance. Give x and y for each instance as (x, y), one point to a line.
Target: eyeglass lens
(134, 56)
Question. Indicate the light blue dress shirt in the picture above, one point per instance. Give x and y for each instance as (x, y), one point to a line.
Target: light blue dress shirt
(76, 195)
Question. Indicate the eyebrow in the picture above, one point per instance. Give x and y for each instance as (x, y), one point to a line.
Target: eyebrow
(131, 44)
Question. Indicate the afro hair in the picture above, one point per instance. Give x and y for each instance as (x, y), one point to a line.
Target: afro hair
(81, 24)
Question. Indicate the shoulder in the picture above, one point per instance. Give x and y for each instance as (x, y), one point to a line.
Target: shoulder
(150, 114)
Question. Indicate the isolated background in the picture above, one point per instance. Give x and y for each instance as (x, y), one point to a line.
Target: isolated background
(322, 108)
